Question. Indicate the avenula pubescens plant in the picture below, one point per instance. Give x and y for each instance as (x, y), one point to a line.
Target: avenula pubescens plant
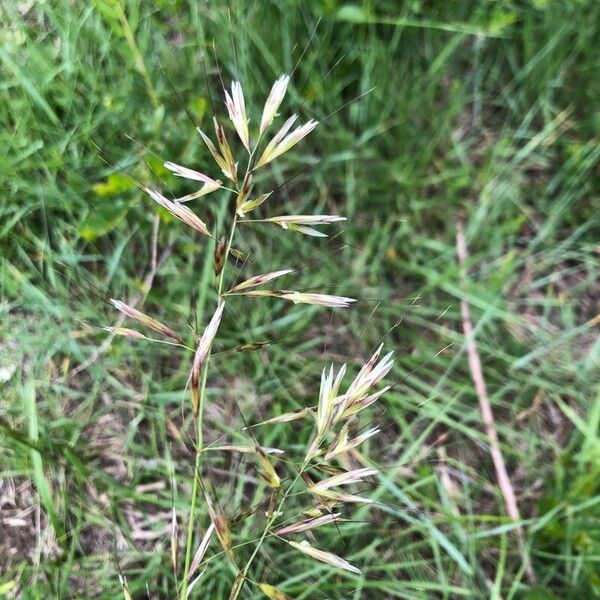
(334, 414)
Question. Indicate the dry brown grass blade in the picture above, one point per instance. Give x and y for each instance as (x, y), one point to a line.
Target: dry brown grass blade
(506, 488)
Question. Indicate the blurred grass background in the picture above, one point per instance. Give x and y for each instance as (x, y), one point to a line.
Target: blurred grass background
(481, 110)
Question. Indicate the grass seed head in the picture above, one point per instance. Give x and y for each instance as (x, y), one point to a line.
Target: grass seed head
(221, 527)
(224, 158)
(260, 280)
(144, 319)
(267, 471)
(281, 142)
(317, 299)
(307, 524)
(181, 212)
(207, 338)
(273, 102)
(345, 478)
(236, 108)
(249, 205)
(199, 555)
(321, 555)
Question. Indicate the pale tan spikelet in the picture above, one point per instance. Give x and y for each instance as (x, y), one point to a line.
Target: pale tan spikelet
(223, 159)
(221, 527)
(225, 149)
(325, 406)
(126, 332)
(285, 220)
(249, 205)
(345, 478)
(371, 373)
(199, 555)
(307, 524)
(237, 112)
(274, 102)
(348, 409)
(293, 415)
(301, 297)
(210, 184)
(334, 498)
(277, 138)
(186, 173)
(207, 338)
(321, 555)
(281, 143)
(244, 449)
(272, 592)
(340, 439)
(197, 194)
(300, 223)
(181, 212)
(317, 299)
(259, 280)
(144, 319)
(342, 444)
(267, 471)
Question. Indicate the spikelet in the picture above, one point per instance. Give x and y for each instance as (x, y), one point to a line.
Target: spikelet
(326, 557)
(307, 524)
(244, 193)
(246, 206)
(219, 256)
(221, 527)
(293, 415)
(181, 212)
(144, 319)
(199, 555)
(244, 449)
(202, 351)
(273, 102)
(300, 223)
(267, 471)
(224, 158)
(301, 297)
(207, 338)
(210, 185)
(342, 444)
(345, 478)
(236, 108)
(318, 299)
(259, 280)
(281, 142)
(126, 332)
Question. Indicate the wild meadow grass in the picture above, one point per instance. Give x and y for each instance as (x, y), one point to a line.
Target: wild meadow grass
(479, 112)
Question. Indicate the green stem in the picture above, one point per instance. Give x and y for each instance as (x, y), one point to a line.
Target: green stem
(199, 418)
(199, 434)
(270, 522)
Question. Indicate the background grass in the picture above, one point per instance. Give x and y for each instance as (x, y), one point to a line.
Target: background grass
(481, 110)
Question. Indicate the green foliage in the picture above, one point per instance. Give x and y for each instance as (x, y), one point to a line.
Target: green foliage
(484, 109)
